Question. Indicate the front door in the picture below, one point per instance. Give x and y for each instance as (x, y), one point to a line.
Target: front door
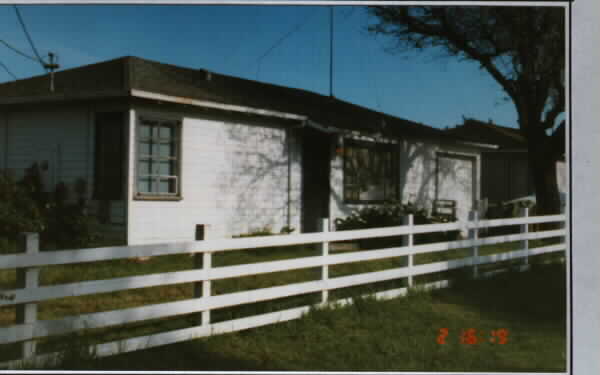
(316, 160)
(455, 181)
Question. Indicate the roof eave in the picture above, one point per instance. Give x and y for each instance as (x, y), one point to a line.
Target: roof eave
(215, 105)
(479, 145)
(53, 98)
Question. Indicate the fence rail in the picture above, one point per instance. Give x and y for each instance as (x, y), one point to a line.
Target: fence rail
(28, 293)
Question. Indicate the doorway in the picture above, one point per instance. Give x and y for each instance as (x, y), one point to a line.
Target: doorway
(316, 166)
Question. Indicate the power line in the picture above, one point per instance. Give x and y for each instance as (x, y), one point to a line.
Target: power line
(29, 37)
(331, 51)
(283, 38)
(14, 49)
(8, 71)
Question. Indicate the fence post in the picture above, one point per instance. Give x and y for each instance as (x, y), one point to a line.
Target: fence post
(206, 286)
(28, 243)
(202, 288)
(325, 254)
(525, 243)
(408, 241)
(474, 235)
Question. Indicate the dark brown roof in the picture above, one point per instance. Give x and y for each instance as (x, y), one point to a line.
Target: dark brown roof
(489, 133)
(117, 77)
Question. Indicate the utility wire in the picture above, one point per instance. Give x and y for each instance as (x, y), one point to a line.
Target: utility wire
(29, 37)
(331, 51)
(8, 71)
(18, 51)
(283, 38)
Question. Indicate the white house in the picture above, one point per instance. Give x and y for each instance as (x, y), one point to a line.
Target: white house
(172, 153)
(506, 174)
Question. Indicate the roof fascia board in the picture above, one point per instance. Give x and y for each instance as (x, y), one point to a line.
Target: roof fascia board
(61, 97)
(481, 145)
(324, 128)
(214, 105)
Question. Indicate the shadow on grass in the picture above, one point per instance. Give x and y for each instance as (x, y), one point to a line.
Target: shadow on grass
(176, 357)
(537, 295)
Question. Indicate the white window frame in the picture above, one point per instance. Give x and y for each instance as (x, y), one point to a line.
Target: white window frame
(155, 194)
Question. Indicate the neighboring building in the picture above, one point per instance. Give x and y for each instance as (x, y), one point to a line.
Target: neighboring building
(505, 171)
(168, 152)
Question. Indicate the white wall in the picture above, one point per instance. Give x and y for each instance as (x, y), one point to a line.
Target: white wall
(234, 179)
(417, 177)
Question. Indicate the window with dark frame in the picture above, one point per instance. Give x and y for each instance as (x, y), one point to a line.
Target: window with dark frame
(158, 159)
(370, 172)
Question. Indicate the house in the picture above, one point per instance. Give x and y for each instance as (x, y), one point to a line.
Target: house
(170, 153)
(505, 174)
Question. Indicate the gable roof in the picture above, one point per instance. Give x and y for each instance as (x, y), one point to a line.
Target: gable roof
(120, 77)
(487, 132)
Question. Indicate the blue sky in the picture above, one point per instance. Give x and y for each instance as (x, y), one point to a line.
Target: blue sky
(231, 40)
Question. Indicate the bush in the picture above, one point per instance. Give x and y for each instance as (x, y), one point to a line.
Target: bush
(19, 211)
(69, 227)
(25, 207)
(391, 214)
(388, 215)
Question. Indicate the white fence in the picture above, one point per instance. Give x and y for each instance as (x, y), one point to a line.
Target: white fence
(28, 328)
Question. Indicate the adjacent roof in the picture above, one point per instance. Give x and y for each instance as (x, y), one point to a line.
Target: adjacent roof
(487, 132)
(117, 78)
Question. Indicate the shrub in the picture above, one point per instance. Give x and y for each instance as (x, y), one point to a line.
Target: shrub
(25, 207)
(68, 226)
(19, 211)
(391, 214)
(387, 215)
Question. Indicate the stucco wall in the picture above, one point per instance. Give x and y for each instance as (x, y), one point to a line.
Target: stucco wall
(417, 176)
(234, 180)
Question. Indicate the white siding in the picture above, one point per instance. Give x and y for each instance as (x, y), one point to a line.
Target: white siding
(234, 179)
(417, 177)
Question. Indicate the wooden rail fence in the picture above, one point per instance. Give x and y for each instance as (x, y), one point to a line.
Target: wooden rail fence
(27, 328)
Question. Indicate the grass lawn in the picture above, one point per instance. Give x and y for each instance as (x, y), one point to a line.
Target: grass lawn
(395, 335)
(58, 308)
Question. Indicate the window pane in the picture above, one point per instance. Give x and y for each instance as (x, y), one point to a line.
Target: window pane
(372, 193)
(165, 150)
(145, 148)
(145, 131)
(167, 186)
(144, 185)
(165, 132)
(145, 167)
(165, 168)
(369, 173)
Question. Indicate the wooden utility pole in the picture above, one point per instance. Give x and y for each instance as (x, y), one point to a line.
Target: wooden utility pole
(51, 66)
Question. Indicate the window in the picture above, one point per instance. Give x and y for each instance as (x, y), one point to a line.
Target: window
(158, 158)
(370, 172)
(109, 155)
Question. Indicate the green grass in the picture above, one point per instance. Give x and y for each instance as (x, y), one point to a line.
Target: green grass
(58, 308)
(394, 335)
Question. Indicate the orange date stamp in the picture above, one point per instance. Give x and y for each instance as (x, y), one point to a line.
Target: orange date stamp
(471, 336)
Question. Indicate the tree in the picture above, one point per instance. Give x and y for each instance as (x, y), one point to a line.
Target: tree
(522, 48)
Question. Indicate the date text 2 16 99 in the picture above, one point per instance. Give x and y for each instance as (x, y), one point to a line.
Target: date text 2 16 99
(471, 336)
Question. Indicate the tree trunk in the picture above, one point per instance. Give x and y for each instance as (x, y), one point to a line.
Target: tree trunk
(543, 169)
(542, 162)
